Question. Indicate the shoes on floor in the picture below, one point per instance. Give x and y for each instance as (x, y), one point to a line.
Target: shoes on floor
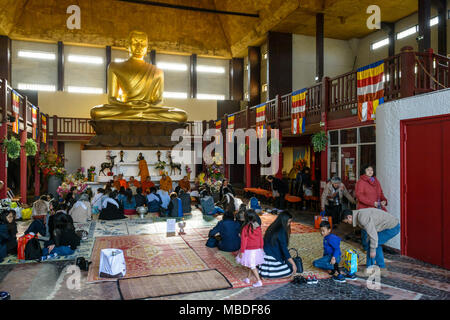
(246, 280)
(310, 280)
(258, 284)
(339, 278)
(351, 276)
(314, 279)
(50, 256)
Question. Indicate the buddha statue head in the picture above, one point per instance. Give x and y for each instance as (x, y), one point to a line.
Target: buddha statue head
(137, 44)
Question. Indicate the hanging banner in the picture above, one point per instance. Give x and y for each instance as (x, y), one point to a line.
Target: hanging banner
(218, 127)
(260, 120)
(298, 112)
(43, 129)
(230, 127)
(15, 101)
(34, 122)
(370, 90)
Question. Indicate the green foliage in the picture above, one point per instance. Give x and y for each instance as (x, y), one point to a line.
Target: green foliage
(30, 147)
(12, 147)
(319, 141)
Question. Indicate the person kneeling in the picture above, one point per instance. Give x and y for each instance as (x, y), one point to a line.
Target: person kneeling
(175, 207)
(228, 231)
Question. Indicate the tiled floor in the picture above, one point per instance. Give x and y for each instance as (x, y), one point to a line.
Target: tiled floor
(404, 278)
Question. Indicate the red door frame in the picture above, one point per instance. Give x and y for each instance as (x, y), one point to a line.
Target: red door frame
(403, 124)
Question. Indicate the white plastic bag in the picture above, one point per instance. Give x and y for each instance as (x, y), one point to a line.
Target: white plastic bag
(112, 264)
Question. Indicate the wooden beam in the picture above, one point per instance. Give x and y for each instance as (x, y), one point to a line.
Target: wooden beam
(5, 58)
(237, 79)
(424, 25)
(442, 26)
(254, 75)
(60, 66)
(389, 28)
(193, 76)
(279, 64)
(319, 46)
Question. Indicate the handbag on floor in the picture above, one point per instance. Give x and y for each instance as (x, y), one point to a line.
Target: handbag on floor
(322, 217)
(298, 261)
(351, 261)
(112, 264)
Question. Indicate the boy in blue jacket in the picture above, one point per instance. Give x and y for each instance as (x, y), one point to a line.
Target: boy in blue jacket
(331, 253)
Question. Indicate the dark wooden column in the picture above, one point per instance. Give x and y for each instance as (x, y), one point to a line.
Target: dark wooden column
(237, 79)
(389, 28)
(152, 56)
(37, 176)
(319, 46)
(3, 136)
(23, 154)
(5, 58)
(193, 76)
(108, 61)
(424, 25)
(60, 66)
(254, 75)
(279, 63)
(441, 6)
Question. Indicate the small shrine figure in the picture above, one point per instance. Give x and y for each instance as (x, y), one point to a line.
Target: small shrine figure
(121, 153)
(158, 154)
(182, 225)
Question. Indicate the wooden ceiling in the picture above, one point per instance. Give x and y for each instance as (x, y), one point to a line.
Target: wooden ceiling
(108, 22)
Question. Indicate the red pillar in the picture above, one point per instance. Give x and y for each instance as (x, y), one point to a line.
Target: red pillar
(23, 155)
(325, 99)
(248, 168)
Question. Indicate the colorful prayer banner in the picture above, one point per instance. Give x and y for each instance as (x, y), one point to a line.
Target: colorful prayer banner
(298, 112)
(15, 101)
(370, 90)
(231, 128)
(34, 122)
(260, 119)
(44, 128)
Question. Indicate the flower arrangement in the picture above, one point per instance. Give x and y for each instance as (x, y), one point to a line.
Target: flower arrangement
(300, 164)
(91, 173)
(12, 147)
(319, 141)
(214, 175)
(52, 165)
(70, 182)
(79, 175)
(160, 165)
(30, 147)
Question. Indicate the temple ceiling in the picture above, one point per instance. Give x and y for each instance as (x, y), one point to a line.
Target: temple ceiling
(108, 22)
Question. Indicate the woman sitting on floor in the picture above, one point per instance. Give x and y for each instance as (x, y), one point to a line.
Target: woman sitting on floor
(278, 262)
(111, 209)
(81, 210)
(96, 203)
(175, 207)
(129, 204)
(154, 201)
(140, 198)
(8, 232)
(121, 196)
(225, 235)
(165, 200)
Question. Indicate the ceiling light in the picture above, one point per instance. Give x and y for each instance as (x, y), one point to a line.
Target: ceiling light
(36, 55)
(36, 87)
(204, 96)
(92, 90)
(172, 66)
(380, 44)
(210, 69)
(85, 59)
(178, 95)
(264, 88)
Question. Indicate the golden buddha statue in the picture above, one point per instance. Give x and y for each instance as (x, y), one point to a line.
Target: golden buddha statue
(135, 88)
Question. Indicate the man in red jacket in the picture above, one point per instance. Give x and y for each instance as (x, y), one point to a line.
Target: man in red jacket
(368, 191)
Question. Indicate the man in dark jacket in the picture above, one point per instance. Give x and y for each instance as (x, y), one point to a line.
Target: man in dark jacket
(228, 229)
(279, 189)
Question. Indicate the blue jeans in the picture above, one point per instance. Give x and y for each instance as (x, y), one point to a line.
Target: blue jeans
(217, 210)
(324, 262)
(60, 251)
(383, 237)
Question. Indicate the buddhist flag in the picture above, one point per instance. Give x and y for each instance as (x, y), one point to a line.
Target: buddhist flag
(218, 127)
(298, 112)
(260, 120)
(44, 129)
(370, 90)
(34, 122)
(231, 127)
(15, 101)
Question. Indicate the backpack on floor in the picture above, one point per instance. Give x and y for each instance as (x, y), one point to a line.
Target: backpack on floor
(33, 249)
(254, 203)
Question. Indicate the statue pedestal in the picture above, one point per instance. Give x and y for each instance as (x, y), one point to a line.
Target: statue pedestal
(123, 134)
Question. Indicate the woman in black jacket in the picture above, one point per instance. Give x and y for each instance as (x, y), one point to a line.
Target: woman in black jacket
(225, 184)
(8, 232)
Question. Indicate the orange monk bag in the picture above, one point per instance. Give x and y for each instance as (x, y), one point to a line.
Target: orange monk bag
(22, 243)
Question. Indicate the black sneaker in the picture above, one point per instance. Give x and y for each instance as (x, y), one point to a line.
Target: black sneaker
(339, 278)
(351, 276)
(310, 280)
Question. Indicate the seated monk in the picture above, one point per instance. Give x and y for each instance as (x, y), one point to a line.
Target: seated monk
(147, 185)
(116, 183)
(165, 183)
(122, 182)
(135, 88)
(185, 184)
(133, 182)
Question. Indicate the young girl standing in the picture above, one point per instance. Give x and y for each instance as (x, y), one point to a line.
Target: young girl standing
(251, 253)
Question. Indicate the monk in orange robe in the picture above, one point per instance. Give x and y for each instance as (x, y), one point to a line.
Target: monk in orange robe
(147, 184)
(185, 184)
(133, 182)
(165, 183)
(143, 168)
(122, 181)
(116, 183)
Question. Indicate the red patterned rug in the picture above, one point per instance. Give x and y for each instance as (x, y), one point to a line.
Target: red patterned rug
(147, 255)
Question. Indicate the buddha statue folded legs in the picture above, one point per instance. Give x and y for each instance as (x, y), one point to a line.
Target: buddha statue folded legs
(153, 113)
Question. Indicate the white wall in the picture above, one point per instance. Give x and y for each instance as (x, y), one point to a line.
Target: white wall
(73, 156)
(338, 59)
(388, 141)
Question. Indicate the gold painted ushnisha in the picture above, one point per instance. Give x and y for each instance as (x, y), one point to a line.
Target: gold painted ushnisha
(135, 88)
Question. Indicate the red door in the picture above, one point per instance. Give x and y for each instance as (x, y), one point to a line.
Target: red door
(425, 160)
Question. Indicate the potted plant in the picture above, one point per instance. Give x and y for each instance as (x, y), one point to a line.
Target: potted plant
(12, 147)
(30, 147)
(319, 141)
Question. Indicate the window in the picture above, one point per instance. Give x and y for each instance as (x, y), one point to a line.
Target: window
(119, 55)
(410, 31)
(176, 74)
(334, 138)
(212, 78)
(367, 134)
(349, 136)
(34, 66)
(380, 44)
(84, 69)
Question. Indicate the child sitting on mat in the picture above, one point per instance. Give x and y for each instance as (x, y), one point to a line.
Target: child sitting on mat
(251, 253)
